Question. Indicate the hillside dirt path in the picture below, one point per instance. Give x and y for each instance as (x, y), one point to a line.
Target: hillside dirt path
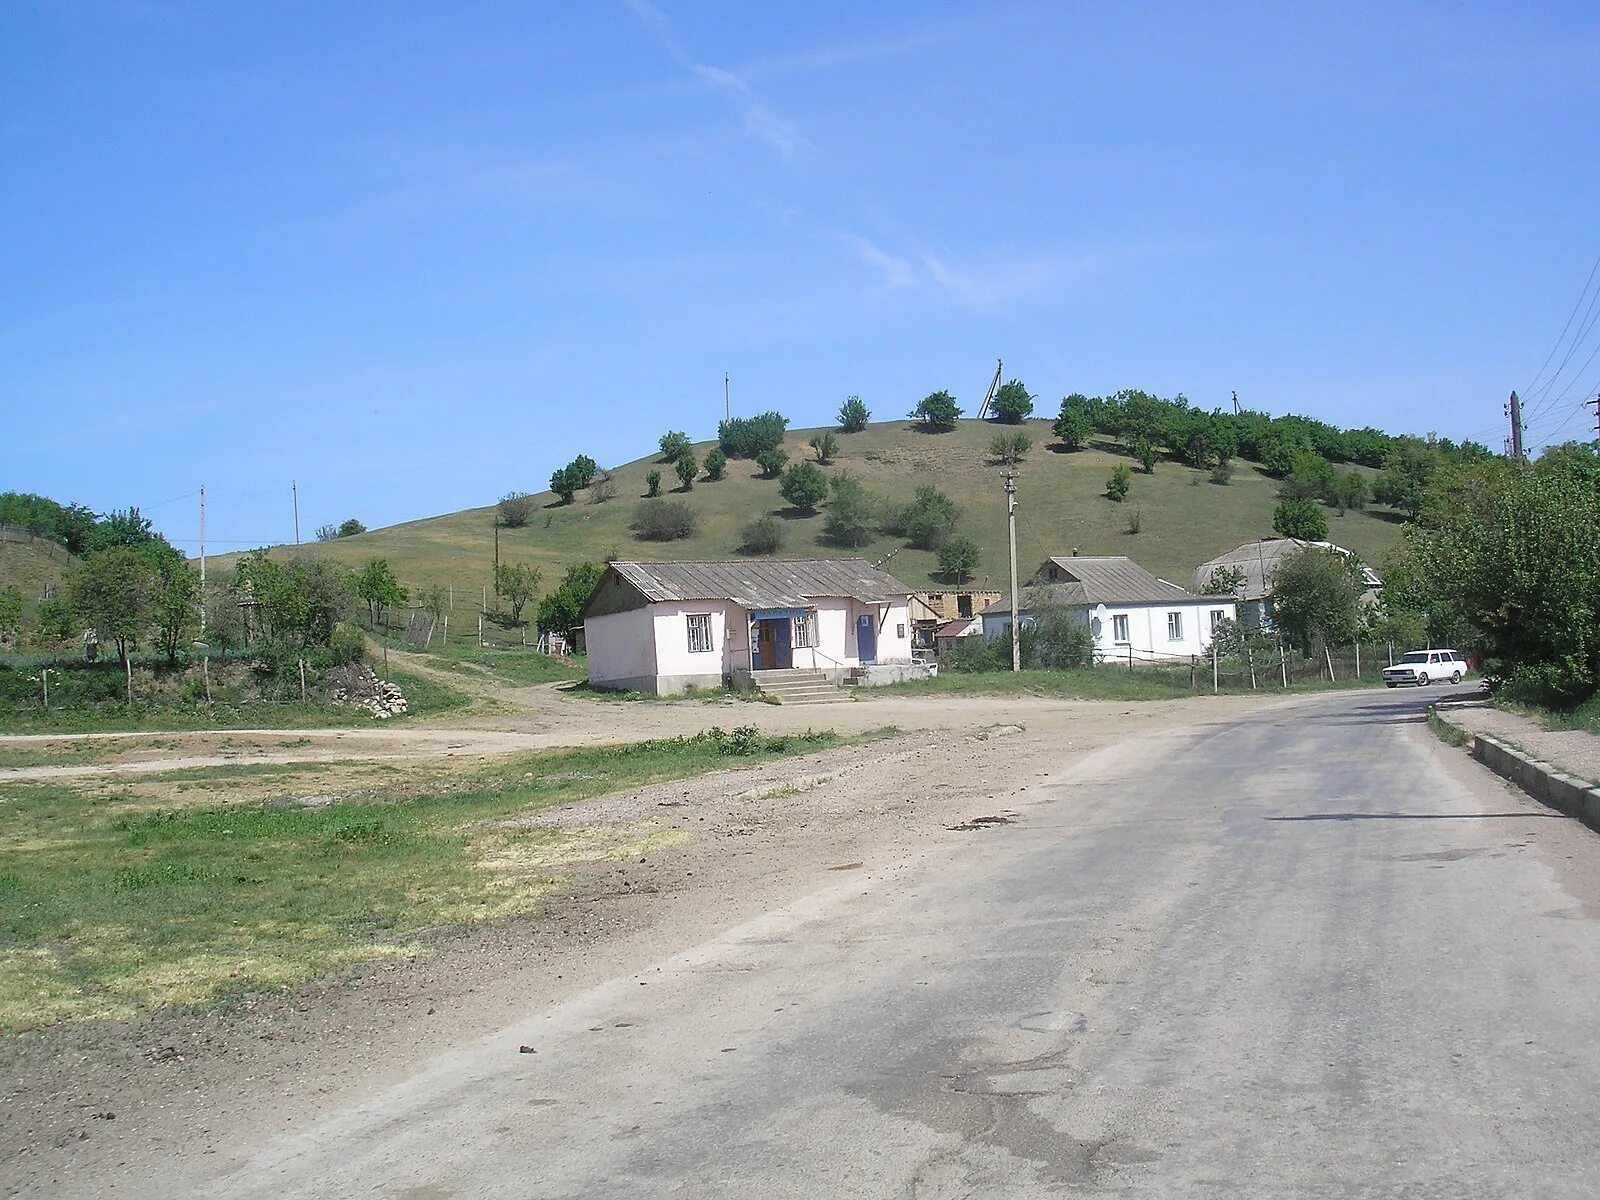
(185, 1085)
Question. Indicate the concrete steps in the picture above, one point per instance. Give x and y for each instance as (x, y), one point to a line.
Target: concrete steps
(797, 687)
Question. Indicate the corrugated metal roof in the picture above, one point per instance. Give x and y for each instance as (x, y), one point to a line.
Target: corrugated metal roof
(763, 583)
(1087, 581)
(1259, 561)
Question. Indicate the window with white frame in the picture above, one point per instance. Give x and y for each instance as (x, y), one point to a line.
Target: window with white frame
(805, 630)
(700, 633)
(1218, 615)
(1174, 627)
(1119, 629)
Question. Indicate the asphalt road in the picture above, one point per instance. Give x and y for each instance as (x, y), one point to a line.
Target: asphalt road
(1310, 954)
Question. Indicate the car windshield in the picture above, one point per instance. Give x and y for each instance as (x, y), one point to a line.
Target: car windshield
(1416, 656)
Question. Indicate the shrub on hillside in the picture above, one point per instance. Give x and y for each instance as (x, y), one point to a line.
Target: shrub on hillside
(1119, 483)
(959, 558)
(515, 509)
(1302, 519)
(1009, 448)
(716, 464)
(804, 486)
(771, 462)
(825, 445)
(1073, 426)
(1012, 403)
(664, 521)
(652, 482)
(937, 411)
(686, 469)
(927, 520)
(852, 512)
(672, 445)
(853, 415)
(764, 535)
(748, 437)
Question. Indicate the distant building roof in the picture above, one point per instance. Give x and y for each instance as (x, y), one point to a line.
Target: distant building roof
(1259, 561)
(761, 583)
(960, 627)
(1091, 580)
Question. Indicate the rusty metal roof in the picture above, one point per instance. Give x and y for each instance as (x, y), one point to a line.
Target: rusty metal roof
(763, 583)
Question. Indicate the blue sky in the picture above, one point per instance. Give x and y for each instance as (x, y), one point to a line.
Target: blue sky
(414, 256)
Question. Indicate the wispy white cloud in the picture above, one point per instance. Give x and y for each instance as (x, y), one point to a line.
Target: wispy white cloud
(761, 121)
(897, 272)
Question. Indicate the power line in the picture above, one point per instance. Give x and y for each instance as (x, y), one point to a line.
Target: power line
(1576, 304)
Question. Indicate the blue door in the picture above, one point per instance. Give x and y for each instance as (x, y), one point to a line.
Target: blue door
(783, 652)
(866, 641)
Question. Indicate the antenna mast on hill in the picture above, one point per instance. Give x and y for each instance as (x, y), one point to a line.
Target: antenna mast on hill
(994, 386)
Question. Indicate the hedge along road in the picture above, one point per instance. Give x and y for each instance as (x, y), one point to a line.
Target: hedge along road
(1308, 952)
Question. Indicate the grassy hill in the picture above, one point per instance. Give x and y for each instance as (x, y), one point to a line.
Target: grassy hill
(32, 565)
(1062, 506)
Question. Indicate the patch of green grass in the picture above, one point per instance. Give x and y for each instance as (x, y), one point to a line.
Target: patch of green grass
(1101, 683)
(1583, 719)
(71, 754)
(1449, 734)
(424, 697)
(109, 908)
(716, 695)
(241, 771)
(509, 664)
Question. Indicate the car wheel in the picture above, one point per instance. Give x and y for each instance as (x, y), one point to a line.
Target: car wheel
(1455, 676)
(1391, 685)
(1422, 680)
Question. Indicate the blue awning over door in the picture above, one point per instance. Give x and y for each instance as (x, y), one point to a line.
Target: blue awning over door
(777, 614)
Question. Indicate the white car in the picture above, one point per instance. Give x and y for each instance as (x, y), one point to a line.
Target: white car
(1423, 667)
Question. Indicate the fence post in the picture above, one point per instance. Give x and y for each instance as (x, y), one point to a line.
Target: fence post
(1130, 658)
(1250, 657)
(1191, 672)
(302, 681)
(1358, 658)
(1214, 681)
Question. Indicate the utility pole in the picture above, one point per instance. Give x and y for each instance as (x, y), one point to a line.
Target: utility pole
(727, 406)
(294, 490)
(1514, 411)
(202, 562)
(1595, 404)
(497, 552)
(1011, 533)
(1236, 404)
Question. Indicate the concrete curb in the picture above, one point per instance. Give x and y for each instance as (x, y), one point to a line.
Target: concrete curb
(1574, 797)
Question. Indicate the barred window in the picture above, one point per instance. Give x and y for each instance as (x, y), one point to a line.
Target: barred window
(700, 633)
(805, 630)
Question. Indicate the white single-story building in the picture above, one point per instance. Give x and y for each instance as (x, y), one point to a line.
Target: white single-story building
(1258, 562)
(666, 626)
(1132, 614)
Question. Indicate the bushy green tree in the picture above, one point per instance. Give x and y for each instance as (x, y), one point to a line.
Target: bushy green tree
(652, 482)
(350, 527)
(853, 415)
(804, 486)
(664, 521)
(1409, 470)
(297, 602)
(1351, 491)
(561, 611)
(938, 411)
(716, 464)
(959, 558)
(748, 437)
(771, 462)
(852, 511)
(1073, 427)
(112, 589)
(1225, 581)
(686, 469)
(174, 603)
(673, 444)
(10, 613)
(376, 584)
(516, 509)
(1009, 448)
(929, 519)
(1119, 483)
(1316, 596)
(1145, 451)
(517, 583)
(1301, 519)
(1012, 403)
(57, 621)
(825, 445)
(564, 483)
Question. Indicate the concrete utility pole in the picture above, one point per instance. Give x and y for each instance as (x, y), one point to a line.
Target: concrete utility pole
(1011, 533)
(1236, 404)
(294, 490)
(1514, 411)
(1595, 404)
(202, 562)
(727, 406)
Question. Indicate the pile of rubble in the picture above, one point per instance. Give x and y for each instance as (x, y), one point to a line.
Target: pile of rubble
(356, 684)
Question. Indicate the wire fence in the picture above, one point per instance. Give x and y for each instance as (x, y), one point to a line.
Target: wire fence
(1273, 669)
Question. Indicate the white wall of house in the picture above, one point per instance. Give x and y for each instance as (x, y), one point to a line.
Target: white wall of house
(647, 649)
(621, 650)
(1148, 630)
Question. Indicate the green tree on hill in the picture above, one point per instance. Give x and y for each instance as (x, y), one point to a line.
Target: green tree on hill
(561, 612)
(749, 437)
(1316, 598)
(716, 464)
(959, 558)
(686, 469)
(10, 613)
(112, 590)
(853, 415)
(518, 583)
(771, 462)
(852, 511)
(1073, 427)
(804, 486)
(1012, 403)
(1119, 483)
(376, 584)
(174, 603)
(938, 412)
(1301, 519)
(824, 445)
(673, 445)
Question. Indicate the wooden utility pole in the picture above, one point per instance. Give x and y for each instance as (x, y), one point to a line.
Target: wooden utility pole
(1011, 534)
(294, 490)
(497, 556)
(202, 562)
(1514, 411)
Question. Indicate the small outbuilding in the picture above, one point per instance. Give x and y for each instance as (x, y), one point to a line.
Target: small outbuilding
(1133, 615)
(663, 627)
